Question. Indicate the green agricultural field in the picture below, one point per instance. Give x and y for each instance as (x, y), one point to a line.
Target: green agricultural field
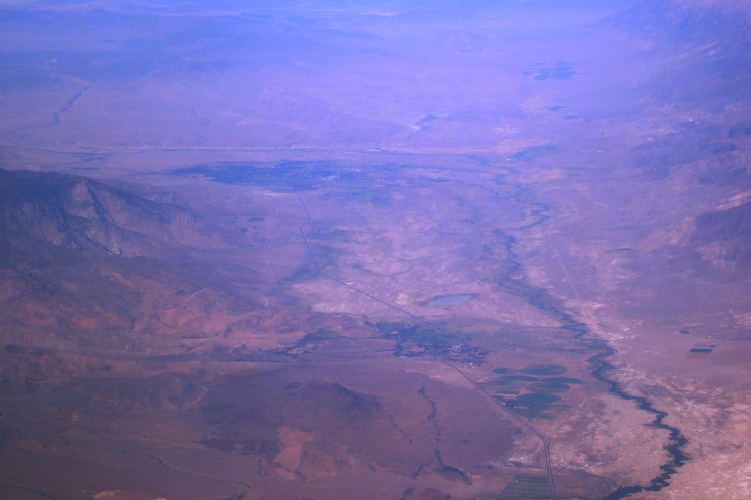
(547, 387)
(543, 369)
(563, 380)
(526, 378)
(526, 487)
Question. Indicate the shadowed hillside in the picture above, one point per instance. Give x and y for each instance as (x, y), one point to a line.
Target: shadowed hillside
(78, 213)
(729, 231)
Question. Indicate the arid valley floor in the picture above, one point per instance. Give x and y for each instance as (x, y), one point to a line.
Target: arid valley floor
(382, 252)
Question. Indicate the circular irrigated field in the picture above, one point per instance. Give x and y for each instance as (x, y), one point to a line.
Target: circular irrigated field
(543, 369)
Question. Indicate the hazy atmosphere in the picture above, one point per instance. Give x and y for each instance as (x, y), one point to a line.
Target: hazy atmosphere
(375, 250)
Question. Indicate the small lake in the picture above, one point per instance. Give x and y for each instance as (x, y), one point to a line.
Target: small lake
(450, 300)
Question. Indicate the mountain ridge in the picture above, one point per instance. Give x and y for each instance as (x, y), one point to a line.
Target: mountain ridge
(79, 213)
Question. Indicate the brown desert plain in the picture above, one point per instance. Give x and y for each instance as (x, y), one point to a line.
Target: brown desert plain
(375, 251)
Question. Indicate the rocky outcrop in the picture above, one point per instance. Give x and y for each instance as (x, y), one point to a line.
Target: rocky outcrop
(78, 213)
(725, 236)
